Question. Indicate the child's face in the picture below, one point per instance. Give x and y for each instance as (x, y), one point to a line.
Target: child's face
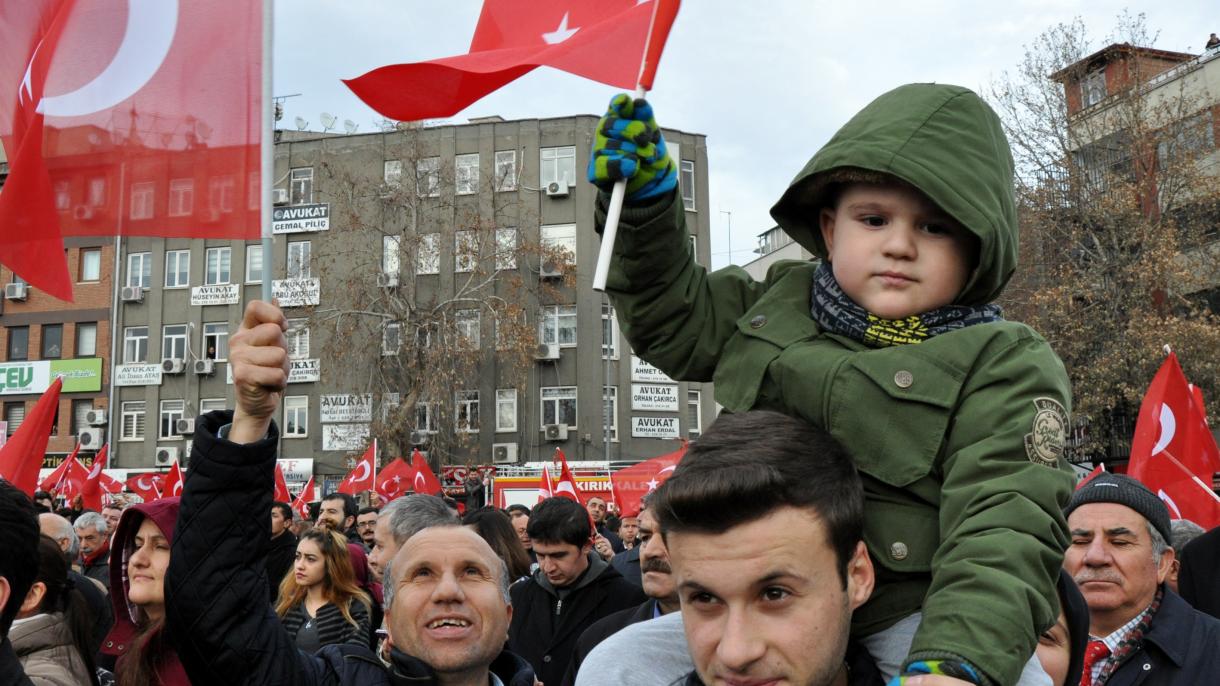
(894, 252)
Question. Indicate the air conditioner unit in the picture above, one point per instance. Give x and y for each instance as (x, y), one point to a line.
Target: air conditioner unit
(82, 212)
(166, 455)
(503, 453)
(389, 280)
(279, 196)
(15, 291)
(205, 367)
(184, 426)
(420, 437)
(91, 439)
(172, 366)
(95, 418)
(555, 432)
(547, 352)
(551, 269)
(132, 294)
(556, 189)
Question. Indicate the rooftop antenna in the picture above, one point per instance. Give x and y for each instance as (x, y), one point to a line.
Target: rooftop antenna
(328, 121)
(301, 123)
(350, 126)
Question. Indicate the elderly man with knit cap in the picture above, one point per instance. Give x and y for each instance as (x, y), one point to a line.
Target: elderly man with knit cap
(1139, 630)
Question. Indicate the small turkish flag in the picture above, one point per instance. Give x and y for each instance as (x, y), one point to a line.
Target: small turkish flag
(281, 486)
(92, 492)
(566, 486)
(607, 41)
(394, 479)
(634, 482)
(56, 478)
(21, 456)
(363, 476)
(301, 504)
(423, 480)
(173, 482)
(147, 486)
(1172, 422)
(546, 489)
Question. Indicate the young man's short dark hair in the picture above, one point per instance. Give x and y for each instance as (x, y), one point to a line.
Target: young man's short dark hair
(285, 510)
(367, 510)
(349, 503)
(747, 465)
(517, 509)
(559, 520)
(19, 542)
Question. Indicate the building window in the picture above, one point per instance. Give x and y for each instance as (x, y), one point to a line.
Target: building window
(90, 265)
(52, 341)
(173, 342)
(220, 195)
(14, 414)
(63, 196)
(467, 411)
(181, 197)
(1187, 139)
(296, 416)
(207, 405)
(171, 412)
(560, 236)
(610, 411)
(428, 177)
(139, 270)
(609, 332)
(97, 191)
(557, 165)
(425, 421)
(466, 174)
(142, 198)
(216, 341)
(254, 264)
(506, 170)
(390, 260)
(135, 344)
(465, 250)
(80, 415)
(18, 343)
(506, 409)
(1093, 88)
(559, 325)
(559, 405)
(300, 186)
(686, 181)
(506, 249)
(177, 268)
(299, 266)
(391, 173)
(466, 322)
(131, 421)
(219, 263)
(391, 338)
(86, 339)
(694, 414)
(297, 338)
(428, 260)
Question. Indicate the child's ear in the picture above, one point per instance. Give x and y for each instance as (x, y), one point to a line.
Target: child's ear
(827, 219)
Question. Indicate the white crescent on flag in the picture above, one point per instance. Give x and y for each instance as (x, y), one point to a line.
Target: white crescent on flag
(144, 485)
(1169, 426)
(149, 33)
(363, 471)
(97, 469)
(419, 483)
(1174, 512)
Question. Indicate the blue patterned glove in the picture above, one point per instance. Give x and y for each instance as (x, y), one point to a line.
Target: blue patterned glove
(628, 145)
(957, 670)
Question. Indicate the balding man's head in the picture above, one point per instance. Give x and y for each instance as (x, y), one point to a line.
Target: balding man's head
(447, 600)
(61, 531)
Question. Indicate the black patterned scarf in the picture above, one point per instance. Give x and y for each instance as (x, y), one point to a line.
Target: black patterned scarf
(1132, 642)
(837, 313)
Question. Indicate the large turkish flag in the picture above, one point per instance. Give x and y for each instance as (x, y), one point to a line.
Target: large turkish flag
(633, 483)
(394, 479)
(363, 475)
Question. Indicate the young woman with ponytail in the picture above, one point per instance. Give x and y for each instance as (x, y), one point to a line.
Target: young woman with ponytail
(320, 601)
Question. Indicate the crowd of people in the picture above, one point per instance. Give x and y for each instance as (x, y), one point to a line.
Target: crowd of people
(885, 499)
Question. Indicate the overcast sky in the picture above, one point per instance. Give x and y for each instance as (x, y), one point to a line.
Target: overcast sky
(768, 82)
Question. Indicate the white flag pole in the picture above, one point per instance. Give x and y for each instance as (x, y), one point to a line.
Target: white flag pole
(267, 168)
(610, 231)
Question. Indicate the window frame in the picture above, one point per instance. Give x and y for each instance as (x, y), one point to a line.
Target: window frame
(428, 177)
(300, 186)
(138, 416)
(130, 337)
(552, 168)
(224, 266)
(429, 249)
(465, 405)
(303, 263)
(466, 173)
(610, 397)
(77, 340)
(694, 403)
(144, 276)
(10, 337)
(506, 397)
(171, 341)
(465, 251)
(543, 400)
(85, 254)
(551, 325)
(181, 199)
(568, 243)
(221, 342)
(179, 272)
(44, 337)
(167, 418)
(505, 181)
(299, 406)
(251, 250)
(297, 338)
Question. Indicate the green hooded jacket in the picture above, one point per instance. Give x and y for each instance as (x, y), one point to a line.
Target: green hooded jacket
(959, 439)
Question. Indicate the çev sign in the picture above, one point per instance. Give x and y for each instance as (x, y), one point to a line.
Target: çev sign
(301, 218)
(20, 378)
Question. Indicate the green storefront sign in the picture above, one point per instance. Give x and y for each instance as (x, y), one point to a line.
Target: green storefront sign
(24, 378)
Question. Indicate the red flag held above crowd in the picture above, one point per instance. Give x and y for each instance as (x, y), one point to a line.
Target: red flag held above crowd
(92, 492)
(546, 488)
(423, 480)
(394, 479)
(135, 117)
(21, 455)
(53, 480)
(147, 486)
(363, 475)
(606, 41)
(566, 486)
(281, 486)
(301, 505)
(633, 483)
(173, 482)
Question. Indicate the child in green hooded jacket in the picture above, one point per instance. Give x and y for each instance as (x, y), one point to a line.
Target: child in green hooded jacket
(955, 418)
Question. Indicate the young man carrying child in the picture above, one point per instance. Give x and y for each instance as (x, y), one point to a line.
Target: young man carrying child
(955, 417)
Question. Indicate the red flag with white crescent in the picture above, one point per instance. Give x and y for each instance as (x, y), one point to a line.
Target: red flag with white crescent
(281, 486)
(546, 488)
(173, 482)
(423, 480)
(395, 479)
(301, 504)
(55, 479)
(633, 483)
(147, 486)
(92, 493)
(566, 486)
(363, 476)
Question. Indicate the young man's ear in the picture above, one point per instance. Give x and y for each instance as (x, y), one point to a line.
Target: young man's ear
(860, 576)
(826, 219)
(33, 597)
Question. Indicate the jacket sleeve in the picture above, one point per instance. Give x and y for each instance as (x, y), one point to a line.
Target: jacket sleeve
(216, 586)
(674, 313)
(1002, 529)
(359, 634)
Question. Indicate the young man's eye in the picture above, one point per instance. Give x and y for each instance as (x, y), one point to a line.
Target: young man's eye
(701, 598)
(775, 594)
(873, 220)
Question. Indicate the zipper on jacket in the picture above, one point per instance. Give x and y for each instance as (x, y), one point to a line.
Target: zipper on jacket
(558, 606)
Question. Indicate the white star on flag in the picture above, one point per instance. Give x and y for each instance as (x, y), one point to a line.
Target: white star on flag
(560, 34)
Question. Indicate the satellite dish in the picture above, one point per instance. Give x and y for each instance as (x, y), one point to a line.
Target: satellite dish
(350, 126)
(301, 123)
(328, 121)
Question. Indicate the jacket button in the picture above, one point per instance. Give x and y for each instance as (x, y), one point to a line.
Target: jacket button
(758, 322)
(904, 379)
(898, 550)
(546, 658)
(1147, 666)
(109, 644)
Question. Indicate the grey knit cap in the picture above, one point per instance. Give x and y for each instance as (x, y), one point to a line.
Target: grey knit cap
(1123, 490)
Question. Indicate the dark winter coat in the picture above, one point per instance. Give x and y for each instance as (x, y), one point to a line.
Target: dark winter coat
(10, 668)
(545, 628)
(603, 629)
(97, 566)
(333, 627)
(1200, 567)
(627, 563)
(281, 552)
(215, 589)
(1181, 648)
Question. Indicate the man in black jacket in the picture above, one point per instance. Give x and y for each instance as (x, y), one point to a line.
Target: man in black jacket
(283, 548)
(572, 589)
(223, 629)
